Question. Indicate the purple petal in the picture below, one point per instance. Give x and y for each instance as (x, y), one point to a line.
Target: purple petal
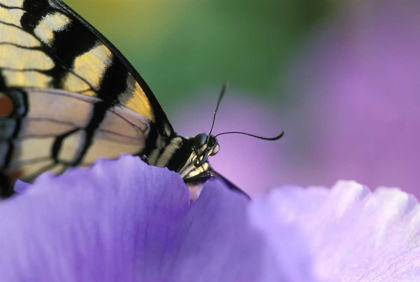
(125, 221)
(217, 242)
(21, 187)
(107, 223)
(350, 233)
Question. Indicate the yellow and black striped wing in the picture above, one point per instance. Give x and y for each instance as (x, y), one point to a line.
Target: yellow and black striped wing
(67, 95)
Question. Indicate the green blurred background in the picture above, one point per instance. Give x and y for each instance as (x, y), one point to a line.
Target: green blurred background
(181, 47)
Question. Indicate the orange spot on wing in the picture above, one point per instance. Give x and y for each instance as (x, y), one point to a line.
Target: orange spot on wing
(6, 106)
(14, 175)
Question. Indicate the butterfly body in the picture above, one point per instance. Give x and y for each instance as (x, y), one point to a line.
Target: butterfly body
(69, 97)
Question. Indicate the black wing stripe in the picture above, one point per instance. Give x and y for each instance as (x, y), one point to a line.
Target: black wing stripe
(11, 7)
(163, 125)
(55, 149)
(6, 189)
(68, 45)
(12, 25)
(19, 46)
(7, 157)
(3, 87)
(98, 116)
(114, 83)
(4, 152)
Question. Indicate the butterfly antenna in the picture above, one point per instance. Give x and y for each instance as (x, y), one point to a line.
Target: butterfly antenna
(222, 93)
(255, 136)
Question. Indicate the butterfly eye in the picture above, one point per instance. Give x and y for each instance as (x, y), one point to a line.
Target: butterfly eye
(216, 150)
(200, 140)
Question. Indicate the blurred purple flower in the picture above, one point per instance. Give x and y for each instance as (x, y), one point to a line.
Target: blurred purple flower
(125, 221)
(359, 96)
(355, 111)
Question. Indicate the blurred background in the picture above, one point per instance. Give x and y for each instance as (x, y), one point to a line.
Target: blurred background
(342, 78)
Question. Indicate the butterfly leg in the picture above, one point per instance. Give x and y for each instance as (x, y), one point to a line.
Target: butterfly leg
(144, 159)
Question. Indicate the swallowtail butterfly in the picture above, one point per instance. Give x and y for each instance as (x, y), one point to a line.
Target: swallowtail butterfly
(68, 96)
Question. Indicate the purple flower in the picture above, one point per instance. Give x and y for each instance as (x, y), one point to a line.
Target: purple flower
(125, 221)
(358, 88)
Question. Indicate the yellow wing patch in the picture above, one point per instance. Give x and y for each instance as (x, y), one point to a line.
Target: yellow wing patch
(33, 148)
(49, 24)
(75, 84)
(12, 3)
(135, 99)
(14, 35)
(20, 59)
(27, 78)
(11, 16)
(93, 64)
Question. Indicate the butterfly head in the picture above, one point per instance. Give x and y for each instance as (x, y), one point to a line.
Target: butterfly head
(204, 146)
(192, 158)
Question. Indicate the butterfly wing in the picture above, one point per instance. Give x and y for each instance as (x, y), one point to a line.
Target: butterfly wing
(66, 93)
